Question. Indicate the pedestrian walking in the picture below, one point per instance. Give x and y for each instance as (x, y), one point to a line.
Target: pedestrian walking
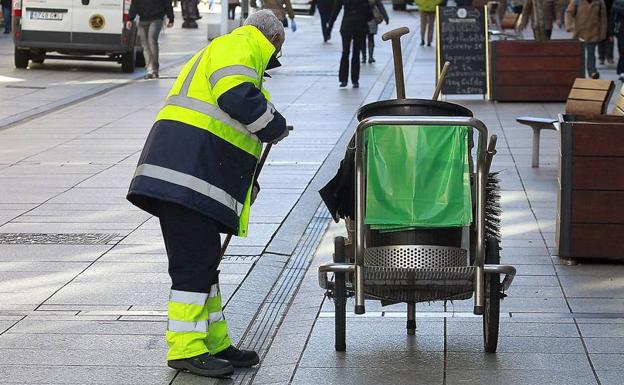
(190, 13)
(543, 18)
(587, 20)
(353, 29)
(427, 10)
(616, 30)
(605, 47)
(280, 8)
(195, 174)
(232, 4)
(325, 8)
(379, 15)
(6, 15)
(151, 14)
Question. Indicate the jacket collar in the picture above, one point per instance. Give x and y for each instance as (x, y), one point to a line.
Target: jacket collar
(266, 47)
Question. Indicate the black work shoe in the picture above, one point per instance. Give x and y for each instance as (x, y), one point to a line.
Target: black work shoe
(343, 84)
(239, 358)
(203, 365)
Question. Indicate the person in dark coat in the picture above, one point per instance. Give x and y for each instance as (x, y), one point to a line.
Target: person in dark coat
(379, 15)
(6, 14)
(190, 13)
(325, 8)
(151, 14)
(605, 47)
(616, 30)
(354, 26)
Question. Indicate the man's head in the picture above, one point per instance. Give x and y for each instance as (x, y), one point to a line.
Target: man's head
(270, 26)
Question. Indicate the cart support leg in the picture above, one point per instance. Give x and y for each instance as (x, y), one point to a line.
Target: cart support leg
(479, 297)
(411, 318)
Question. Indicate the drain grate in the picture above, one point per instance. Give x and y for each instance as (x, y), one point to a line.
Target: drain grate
(58, 238)
(240, 258)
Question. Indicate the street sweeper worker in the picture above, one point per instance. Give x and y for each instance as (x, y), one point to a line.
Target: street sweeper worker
(195, 174)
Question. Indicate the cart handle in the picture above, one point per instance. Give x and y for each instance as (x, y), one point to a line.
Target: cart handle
(333, 268)
(480, 193)
(509, 271)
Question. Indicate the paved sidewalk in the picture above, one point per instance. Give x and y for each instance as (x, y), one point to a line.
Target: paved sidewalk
(83, 282)
(83, 279)
(561, 324)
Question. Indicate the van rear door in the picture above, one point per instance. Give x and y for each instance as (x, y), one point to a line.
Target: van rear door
(98, 22)
(47, 20)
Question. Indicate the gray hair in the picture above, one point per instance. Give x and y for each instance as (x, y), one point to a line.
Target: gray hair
(266, 21)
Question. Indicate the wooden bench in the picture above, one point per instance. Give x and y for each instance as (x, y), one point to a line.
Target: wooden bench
(587, 97)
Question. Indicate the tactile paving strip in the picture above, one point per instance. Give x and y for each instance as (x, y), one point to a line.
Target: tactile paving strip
(264, 326)
(58, 238)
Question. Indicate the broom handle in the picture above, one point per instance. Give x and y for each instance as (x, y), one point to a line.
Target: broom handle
(441, 79)
(263, 158)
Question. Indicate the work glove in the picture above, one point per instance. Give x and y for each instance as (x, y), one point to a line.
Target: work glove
(254, 192)
(282, 136)
(293, 25)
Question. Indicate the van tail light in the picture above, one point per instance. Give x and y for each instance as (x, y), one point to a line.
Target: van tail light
(17, 8)
(126, 10)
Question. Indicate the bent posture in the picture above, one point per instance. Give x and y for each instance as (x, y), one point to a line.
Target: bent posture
(195, 174)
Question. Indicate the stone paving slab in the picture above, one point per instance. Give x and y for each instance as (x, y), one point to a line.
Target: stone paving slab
(69, 173)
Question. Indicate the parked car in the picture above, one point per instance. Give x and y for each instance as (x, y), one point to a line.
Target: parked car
(306, 7)
(75, 29)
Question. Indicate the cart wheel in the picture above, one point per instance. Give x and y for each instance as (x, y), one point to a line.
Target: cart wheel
(340, 296)
(491, 315)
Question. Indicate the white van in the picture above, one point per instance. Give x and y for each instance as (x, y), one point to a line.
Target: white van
(75, 29)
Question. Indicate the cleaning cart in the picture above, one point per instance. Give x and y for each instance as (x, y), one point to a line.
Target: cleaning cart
(425, 223)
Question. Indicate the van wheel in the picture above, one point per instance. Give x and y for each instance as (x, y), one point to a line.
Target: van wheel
(140, 59)
(128, 62)
(38, 57)
(21, 58)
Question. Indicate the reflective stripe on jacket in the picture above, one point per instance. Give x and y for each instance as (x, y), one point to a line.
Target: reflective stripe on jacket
(203, 148)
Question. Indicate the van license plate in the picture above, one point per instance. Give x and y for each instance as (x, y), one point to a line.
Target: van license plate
(39, 15)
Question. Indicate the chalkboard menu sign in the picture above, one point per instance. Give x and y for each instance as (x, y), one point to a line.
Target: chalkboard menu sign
(462, 40)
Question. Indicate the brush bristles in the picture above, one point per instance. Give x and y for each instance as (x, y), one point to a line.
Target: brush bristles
(493, 210)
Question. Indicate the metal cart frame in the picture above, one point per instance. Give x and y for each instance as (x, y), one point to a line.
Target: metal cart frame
(481, 270)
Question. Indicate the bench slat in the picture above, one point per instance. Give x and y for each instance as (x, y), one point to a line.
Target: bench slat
(593, 95)
(592, 84)
(584, 107)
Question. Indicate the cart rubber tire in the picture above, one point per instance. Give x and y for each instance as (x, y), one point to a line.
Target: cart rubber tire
(140, 59)
(128, 62)
(340, 296)
(21, 58)
(491, 315)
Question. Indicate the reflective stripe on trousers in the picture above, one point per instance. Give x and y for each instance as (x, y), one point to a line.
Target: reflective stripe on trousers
(196, 324)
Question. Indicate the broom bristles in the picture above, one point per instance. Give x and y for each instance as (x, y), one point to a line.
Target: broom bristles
(493, 210)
